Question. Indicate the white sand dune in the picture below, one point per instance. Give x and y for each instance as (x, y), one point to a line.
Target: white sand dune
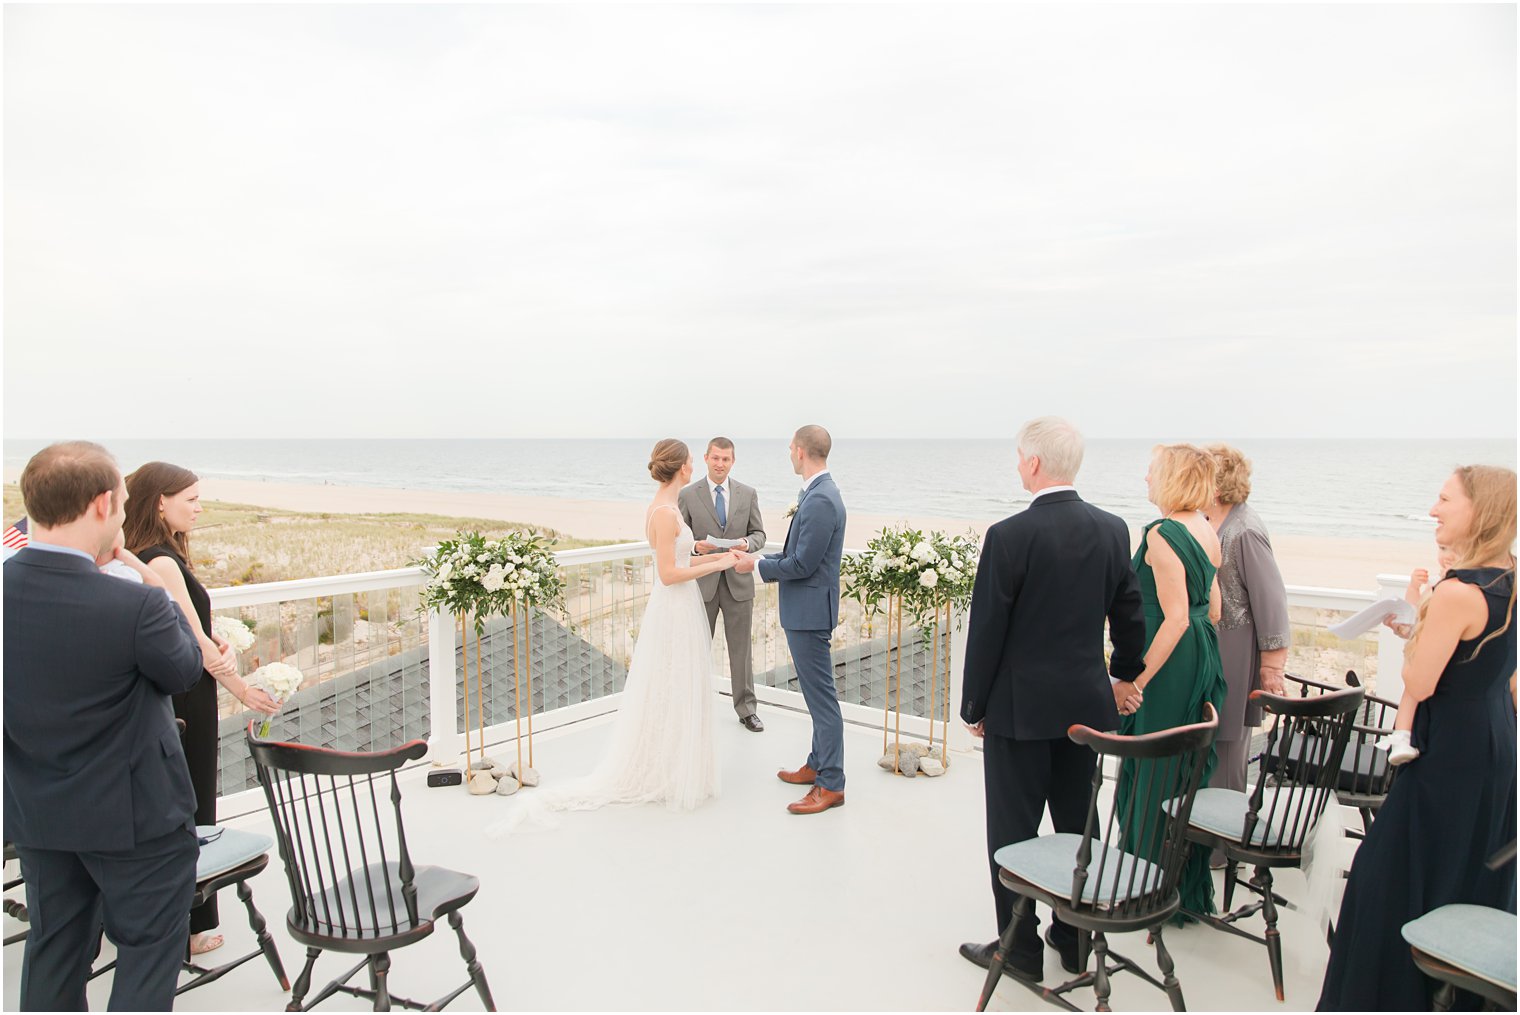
(1305, 560)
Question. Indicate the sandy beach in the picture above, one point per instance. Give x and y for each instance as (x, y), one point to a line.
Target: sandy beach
(1305, 560)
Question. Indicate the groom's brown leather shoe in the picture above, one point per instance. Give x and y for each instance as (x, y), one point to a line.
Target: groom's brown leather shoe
(804, 776)
(817, 801)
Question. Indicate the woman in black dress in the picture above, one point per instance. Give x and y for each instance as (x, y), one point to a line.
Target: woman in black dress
(163, 501)
(1453, 806)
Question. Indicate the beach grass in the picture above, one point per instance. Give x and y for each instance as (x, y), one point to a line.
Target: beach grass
(240, 544)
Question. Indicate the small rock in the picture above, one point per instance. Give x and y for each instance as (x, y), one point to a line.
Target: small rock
(529, 776)
(931, 767)
(908, 764)
(481, 783)
(500, 773)
(482, 765)
(507, 786)
(918, 750)
(888, 760)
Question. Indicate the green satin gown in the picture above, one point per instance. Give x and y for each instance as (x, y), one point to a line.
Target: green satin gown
(1191, 676)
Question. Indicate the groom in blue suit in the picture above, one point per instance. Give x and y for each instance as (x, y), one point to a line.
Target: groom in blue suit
(807, 571)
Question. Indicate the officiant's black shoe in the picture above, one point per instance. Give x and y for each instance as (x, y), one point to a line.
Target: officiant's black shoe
(1025, 967)
(752, 723)
(1067, 950)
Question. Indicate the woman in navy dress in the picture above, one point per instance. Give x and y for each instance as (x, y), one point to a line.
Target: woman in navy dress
(1454, 806)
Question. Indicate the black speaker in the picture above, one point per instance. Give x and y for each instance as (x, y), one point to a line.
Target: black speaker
(445, 777)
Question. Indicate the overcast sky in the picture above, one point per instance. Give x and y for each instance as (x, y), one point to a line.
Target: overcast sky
(381, 221)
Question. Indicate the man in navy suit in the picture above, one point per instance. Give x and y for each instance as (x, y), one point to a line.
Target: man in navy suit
(807, 572)
(1048, 579)
(98, 800)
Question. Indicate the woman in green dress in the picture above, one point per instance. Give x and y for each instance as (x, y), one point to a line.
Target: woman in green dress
(1177, 561)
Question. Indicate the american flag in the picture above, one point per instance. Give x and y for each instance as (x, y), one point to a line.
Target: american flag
(15, 536)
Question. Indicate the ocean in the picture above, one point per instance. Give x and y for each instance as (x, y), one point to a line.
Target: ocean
(1335, 488)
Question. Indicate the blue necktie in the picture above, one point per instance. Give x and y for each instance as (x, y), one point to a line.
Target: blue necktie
(722, 510)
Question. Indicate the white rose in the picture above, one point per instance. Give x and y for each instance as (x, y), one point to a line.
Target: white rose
(444, 571)
(494, 579)
(929, 578)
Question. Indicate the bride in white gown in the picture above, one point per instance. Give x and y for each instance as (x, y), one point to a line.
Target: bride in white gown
(661, 744)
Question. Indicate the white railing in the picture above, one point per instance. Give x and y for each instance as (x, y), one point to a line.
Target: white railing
(608, 585)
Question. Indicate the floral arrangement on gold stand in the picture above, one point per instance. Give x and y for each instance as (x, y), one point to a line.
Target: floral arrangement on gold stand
(473, 577)
(922, 578)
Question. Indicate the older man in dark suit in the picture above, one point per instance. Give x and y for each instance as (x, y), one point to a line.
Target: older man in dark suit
(98, 800)
(1047, 580)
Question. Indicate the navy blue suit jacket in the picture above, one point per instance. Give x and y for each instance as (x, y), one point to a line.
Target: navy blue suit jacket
(1046, 581)
(93, 761)
(807, 568)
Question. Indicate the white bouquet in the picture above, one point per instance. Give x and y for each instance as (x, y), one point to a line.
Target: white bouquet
(487, 577)
(927, 570)
(234, 632)
(279, 681)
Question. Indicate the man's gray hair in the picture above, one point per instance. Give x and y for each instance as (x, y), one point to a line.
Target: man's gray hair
(1056, 443)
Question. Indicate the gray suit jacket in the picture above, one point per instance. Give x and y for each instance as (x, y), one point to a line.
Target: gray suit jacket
(744, 522)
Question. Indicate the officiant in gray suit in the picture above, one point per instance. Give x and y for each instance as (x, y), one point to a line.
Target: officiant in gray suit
(719, 507)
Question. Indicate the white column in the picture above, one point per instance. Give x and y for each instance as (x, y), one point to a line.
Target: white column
(958, 737)
(444, 743)
(1390, 675)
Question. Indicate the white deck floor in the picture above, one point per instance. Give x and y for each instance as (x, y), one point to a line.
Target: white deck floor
(738, 905)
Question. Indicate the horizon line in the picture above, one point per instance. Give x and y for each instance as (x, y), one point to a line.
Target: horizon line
(782, 436)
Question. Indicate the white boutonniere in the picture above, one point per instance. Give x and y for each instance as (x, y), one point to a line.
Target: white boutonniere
(791, 509)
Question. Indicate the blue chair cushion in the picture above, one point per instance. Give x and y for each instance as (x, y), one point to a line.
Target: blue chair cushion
(1477, 939)
(1364, 768)
(1049, 862)
(1222, 812)
(225, 848)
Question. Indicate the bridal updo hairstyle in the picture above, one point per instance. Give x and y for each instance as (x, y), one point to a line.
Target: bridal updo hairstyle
(1184, 477)
(145, 526)
(666, 459)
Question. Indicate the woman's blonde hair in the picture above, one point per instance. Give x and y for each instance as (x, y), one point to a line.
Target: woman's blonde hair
(666, 459)
(1232, 474)
(1184, 477)
(1491, 536)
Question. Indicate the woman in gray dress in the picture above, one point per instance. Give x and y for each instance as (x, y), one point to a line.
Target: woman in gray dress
(1253, 626)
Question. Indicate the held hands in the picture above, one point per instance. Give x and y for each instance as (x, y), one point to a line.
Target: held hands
(746, 563)
(979, 730)
(224, 664)
(1127, 697)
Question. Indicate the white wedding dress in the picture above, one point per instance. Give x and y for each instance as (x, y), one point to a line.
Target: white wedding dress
(661, 740)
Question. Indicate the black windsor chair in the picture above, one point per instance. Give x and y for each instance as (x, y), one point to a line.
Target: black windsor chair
(1268, 826)
(1365, 774)
(1469, 948)
(353, 885)
(1121, 873)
